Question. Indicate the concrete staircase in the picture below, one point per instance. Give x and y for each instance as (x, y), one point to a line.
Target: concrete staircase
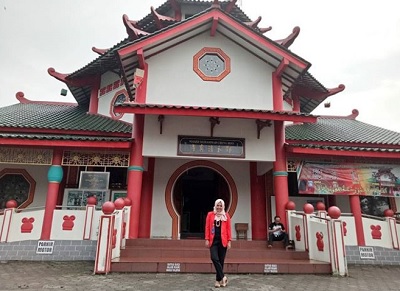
(191, 256)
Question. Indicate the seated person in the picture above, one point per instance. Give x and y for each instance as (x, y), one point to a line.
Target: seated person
(276, 232)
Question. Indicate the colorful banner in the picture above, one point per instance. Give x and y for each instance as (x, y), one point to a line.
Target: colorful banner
(349, 179)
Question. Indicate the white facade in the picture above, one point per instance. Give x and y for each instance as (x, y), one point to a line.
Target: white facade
(161, 221)
(172, 80)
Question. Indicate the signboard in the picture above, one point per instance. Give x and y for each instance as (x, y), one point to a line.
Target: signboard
(349, 179)
(94, 180)
(367, 253)
(45, 247)
(270, 268)
(211, 146)
(173, 267)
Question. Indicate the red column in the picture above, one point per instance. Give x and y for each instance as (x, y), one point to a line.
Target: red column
(135, 175)
(280, 172)
(54, 177)
(147, 200)
(94, 98)
(356, 210)
(258, 205)
(296, 103)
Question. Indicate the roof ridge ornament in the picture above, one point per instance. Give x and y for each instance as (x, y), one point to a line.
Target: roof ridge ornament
(99, 51)
(131, 28)
(159, 19)
(254, 23)
(59, 76)
(230, 6)
(288, 41)
(177, 9)
(20, 97)
(216, 4)
(354, 114)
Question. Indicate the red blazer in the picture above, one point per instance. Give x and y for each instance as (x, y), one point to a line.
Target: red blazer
(226, 232)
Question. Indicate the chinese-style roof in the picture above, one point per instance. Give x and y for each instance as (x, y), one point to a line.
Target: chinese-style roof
(109, 60)
(63, 117)
(344, 131)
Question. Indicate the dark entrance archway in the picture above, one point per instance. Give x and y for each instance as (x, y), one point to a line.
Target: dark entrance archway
(194, 194)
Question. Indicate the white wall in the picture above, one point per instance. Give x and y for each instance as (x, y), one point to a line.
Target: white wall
(39, 174)
(105, 100)
(173, 81)
(165, 144)
(161, 220)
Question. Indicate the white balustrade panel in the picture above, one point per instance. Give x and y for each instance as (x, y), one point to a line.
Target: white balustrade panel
(68, 224)
(318, 240)
(377, 233)
(349, 229)
(26, 225)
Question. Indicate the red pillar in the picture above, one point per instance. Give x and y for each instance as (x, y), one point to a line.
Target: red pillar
(296, 103)
(356, 210)
(258, 205)
(54, 177)
(280, 172)
(94, 98)
(147, 200)
(135, 175)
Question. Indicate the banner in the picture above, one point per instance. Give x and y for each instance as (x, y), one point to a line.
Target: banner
(349, 179)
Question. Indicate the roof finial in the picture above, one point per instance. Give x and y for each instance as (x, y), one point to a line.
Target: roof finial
(216, 4)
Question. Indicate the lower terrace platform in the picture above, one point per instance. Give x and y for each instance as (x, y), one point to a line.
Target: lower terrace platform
(191, 256)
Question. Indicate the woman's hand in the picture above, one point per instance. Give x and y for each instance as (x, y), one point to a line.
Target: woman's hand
(207, 243)
(229, 245)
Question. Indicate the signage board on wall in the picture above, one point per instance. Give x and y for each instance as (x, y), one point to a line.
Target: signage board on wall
(211, 146)
(367, 253)
(45, 247)
(349, 179)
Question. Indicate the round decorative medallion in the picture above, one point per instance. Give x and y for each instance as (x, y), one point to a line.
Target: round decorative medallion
(211, 64)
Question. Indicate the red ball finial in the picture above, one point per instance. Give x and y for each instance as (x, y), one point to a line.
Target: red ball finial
(11, 204)
(108, 207)
(388, 213)
(128, 201)
(334, 212)
(92, 200)
(320, 206)
(119, 203)
(290, 205)
(308, 208)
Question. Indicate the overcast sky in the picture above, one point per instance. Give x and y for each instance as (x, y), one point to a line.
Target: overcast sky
(355, 43)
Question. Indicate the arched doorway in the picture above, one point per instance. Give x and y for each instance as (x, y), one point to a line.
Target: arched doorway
(194, 194)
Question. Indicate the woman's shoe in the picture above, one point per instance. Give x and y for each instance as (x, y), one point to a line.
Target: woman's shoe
(217, 284)
(224, 281)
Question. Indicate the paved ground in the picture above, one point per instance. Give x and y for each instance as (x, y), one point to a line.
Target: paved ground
(78, 276)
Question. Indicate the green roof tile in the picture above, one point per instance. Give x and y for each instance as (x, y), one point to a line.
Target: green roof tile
(342, 130)
(58, 116)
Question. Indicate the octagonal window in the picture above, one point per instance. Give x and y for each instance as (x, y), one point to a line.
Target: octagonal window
(18, 185)
(211, 64)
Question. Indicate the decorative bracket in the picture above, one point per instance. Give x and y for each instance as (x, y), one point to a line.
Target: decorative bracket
(161, 120)
(261, 124)
(214, 121)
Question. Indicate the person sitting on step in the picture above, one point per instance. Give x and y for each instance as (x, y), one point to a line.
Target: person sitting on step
(276, 232)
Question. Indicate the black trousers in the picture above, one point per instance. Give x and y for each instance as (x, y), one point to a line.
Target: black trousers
(218, 253)
(282, 237)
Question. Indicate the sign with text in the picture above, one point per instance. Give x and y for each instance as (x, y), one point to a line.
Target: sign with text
(211, 146)
(45, 247)
(270, 268)
(367, 253)
(349, 179)
(173, 267)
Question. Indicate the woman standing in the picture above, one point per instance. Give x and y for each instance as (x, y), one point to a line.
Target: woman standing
(218, 239)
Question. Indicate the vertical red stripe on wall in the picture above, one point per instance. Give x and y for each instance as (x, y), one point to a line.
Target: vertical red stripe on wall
(146, 202)
(258, 204)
